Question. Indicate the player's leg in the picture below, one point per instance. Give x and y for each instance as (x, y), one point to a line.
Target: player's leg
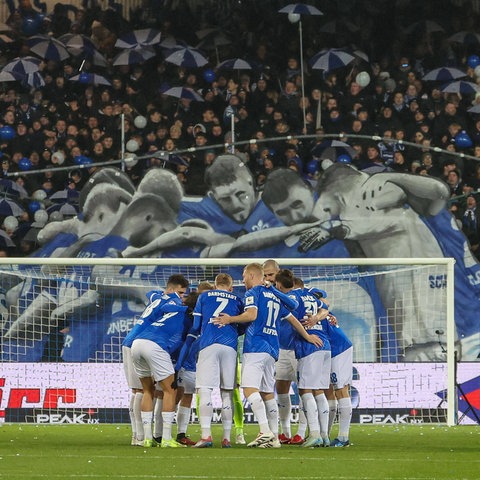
(184, 409)
(135, 385)
(157, 414)
(168, 411)
(307, 383)
(227, 365)
(323, 366)
(332, 407)
(207, 379)
(284, 409)
(253, 369)
(342, 373)
(147, 410)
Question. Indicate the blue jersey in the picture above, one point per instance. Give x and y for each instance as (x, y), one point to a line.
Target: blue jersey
(207, 209)
(190, 362)
(61, 240)
(159, 304)
(169, 330)
(209, 305)
(262, 334)
(287, 333)
(309, 304)
(339, 342)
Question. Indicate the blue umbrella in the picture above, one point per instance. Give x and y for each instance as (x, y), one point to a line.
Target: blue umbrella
(331, 59)
(139, 38)
(90, 79)
(79, 45)
(444, 74)
(300, 9)
(185, 56)
(460, 86)
(23, 66)
(133, 56)
(12, 188)
(48, 48)
(10, 208)
(34, 79)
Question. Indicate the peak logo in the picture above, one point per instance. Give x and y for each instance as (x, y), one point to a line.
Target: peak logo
(62, 418)
(381, 419)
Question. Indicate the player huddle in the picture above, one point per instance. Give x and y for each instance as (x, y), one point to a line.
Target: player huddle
(289, 336)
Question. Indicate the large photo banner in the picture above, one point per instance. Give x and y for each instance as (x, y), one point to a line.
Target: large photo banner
(346, 214)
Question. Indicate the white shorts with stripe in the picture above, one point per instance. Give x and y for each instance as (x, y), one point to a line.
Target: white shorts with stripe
(217, 367)
(133, 381)
(286, 366)
(342, 369)
(151, 360)
(258, 371)
(314, 370)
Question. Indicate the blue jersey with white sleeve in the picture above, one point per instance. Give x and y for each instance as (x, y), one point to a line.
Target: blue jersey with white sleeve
(169, 330)
(262, 334)
(287, 333)
(209, 305)
(309, 304)
(159, 303)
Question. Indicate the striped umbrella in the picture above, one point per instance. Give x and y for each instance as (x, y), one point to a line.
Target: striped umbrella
(139, 38)
(48, 48)
(186, 56)
(133, 56)
(331, 59)
(23, 65)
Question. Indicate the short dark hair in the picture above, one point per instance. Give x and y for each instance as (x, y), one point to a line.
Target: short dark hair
(285, 278)
(278, 184)
(225, 169)
(177, 279)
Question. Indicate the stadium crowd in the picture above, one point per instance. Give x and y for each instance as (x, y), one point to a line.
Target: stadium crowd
(59, 125)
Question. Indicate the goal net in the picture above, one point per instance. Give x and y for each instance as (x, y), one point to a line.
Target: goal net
(63, 322)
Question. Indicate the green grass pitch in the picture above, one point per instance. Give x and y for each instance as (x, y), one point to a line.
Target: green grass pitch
(103, 451)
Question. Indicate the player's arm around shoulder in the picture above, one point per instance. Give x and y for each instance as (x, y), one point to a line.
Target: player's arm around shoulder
(300, 329)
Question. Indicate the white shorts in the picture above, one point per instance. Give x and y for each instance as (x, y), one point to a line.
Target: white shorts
(314, 371)
(341, 371)
(186, 379)
(151, 360)
(217, 367)
(132, 378)
(258, 371)
(286, 366)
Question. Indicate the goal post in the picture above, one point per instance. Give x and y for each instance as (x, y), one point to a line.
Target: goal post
(63, 321)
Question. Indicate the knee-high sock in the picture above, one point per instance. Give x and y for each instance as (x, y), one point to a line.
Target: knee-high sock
(332, 412)
(137, 412)
(258, 409)
(205, 411)
(322, 405)
(167, 418)
(227, 412)
(183, 418)
(147, 418)
(311, 413)
(131, 413)
(302, 420)
(344, 417)
(271, 408)
(284, 413)
(157, 418)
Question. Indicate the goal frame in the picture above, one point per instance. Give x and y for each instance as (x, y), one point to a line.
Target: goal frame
(449, 264)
